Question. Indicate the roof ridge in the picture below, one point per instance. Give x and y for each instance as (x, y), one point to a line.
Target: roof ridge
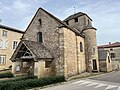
(116, 44)
(76, 15)
(10, 28)
(64, 25)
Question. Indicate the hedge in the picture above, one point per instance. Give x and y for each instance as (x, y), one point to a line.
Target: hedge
(19, 79)
(6, 75)
(30, 83)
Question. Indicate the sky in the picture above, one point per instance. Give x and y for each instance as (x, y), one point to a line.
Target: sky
(104, 13)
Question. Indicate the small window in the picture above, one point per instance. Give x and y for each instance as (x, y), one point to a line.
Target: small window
(4, 33)
(2, 59)
(113, 55)
(4, 44)
(67, 22)
(111, 49)
(48, 64)
(108, 59)
(39, 37)
(40, 21)
(15, 44)
(81, 47)
(76, 19)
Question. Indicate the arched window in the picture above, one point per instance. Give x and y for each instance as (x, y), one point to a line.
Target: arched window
(81, 47)
(111, 49)
(40, 22)
(39, 37)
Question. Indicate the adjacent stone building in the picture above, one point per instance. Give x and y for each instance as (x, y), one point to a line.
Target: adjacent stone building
(9, 39)
(114, 49)
(54, 47)
(105, 63)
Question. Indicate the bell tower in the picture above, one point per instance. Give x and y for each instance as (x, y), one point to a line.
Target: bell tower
(83, 23)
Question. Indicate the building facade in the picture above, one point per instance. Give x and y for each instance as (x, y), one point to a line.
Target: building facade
(9, 39)
(114, 49)
(54, 47)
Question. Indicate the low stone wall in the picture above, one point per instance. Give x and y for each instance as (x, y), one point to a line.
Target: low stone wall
(5, 70)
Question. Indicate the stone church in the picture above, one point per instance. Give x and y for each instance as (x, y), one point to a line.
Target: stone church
(54, 47)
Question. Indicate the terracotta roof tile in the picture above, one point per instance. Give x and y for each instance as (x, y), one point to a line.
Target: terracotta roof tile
(116, 44)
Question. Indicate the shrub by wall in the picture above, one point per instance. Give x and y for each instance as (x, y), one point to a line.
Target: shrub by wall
(19, 79)
(6, 75)
(30, 83)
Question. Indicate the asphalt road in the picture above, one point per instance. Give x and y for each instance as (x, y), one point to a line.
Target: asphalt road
(110, 81)
(109, 77)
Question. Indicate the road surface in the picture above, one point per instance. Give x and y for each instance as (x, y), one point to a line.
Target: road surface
(110, 81)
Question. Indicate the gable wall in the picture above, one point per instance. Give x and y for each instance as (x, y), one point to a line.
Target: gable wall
(51, 35)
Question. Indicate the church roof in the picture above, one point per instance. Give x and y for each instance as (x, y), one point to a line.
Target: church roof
(75, 16)
(116, 44)
(102, 54)
(11, 29)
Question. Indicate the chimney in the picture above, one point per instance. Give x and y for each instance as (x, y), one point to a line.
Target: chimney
(109, 42)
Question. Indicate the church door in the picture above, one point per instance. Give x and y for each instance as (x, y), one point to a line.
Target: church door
(94, 65)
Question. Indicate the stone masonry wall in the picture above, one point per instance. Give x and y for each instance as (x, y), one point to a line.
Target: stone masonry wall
(109, 64)
(103, 65)
(116, 60)
(91, 49)
(81, 24)
(81, 55)
(70, 53)
(42, 71)
(50, 32)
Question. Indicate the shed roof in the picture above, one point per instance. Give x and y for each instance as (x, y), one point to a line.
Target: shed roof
(38, 50)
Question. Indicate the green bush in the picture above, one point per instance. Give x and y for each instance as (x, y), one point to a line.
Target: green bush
(6, 75)
(19, 79)
(29, 83)
(25, 78)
